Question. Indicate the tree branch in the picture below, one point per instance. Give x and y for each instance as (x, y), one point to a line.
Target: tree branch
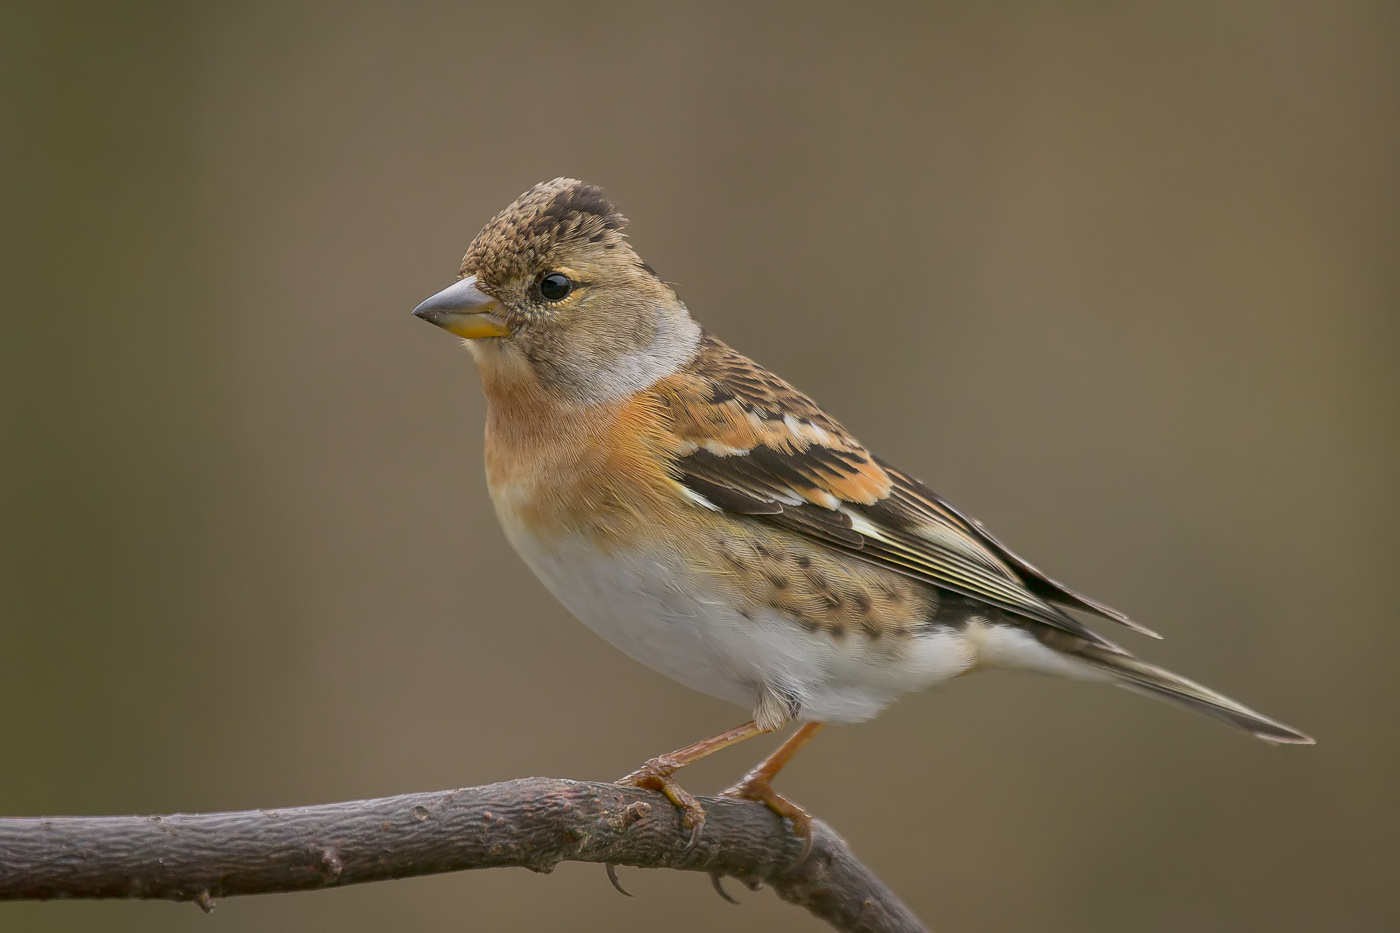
(533, 823)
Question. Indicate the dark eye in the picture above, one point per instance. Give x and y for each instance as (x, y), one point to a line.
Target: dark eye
(555, 286)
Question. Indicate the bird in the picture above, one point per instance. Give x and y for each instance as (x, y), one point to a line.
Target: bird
(718, 526)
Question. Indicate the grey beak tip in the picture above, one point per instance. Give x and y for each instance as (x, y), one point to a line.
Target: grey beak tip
(460, 296)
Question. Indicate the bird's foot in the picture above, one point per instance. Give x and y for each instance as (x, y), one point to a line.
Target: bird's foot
(756, 786)
(656, 775)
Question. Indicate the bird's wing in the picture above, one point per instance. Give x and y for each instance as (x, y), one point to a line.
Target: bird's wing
(750, 444)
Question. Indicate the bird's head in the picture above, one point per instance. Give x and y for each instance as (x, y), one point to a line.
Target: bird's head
(550, 291)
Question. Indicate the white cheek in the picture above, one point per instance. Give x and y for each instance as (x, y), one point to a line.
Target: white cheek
(677, 336)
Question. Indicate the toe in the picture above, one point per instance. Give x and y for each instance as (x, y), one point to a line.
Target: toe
(764, 793)
(652, 777)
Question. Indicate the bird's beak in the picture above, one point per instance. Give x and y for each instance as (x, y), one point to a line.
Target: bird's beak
(465, 310)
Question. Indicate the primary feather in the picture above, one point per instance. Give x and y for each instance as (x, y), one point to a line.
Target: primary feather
(753, 445)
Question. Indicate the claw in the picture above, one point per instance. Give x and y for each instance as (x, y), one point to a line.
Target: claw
(807, 839)
(697, 828)
(612, 876)
(759, 789)
(717, 880)
(656, 775)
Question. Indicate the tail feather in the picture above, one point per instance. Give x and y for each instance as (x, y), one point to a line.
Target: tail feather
(1144, 678)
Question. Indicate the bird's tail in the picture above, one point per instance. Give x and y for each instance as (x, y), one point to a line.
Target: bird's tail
(1142, 677)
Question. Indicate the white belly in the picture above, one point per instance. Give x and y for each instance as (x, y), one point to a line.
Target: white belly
(654, 610)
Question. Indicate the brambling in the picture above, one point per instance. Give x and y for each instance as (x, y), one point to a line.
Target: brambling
(718, 526)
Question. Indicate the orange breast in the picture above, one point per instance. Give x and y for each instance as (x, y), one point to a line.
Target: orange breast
(600, 470)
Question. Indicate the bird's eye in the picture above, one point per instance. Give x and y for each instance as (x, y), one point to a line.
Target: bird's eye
(555, 286)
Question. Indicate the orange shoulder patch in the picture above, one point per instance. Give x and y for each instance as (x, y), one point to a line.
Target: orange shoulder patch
(726, 406)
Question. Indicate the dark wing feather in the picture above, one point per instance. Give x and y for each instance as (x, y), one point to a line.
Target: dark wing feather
(915, 495)
(752, 445)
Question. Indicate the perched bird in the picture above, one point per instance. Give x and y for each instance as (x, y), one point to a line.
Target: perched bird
(718, 526)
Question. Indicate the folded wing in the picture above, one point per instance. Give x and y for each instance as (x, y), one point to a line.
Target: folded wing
(752, 445)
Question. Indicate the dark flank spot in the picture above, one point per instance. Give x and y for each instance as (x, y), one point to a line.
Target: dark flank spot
(804, 561)
(719, 394)
(609, 245)
(597, 237)
(836, 631)
(862, 602)
(871, 630)
(954, 611)
(778, 580)
(647, 269)
(807, 623)
(763, 550)
(748, 616)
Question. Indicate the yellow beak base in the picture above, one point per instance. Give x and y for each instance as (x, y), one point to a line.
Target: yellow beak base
(471, 325)
(464, 310)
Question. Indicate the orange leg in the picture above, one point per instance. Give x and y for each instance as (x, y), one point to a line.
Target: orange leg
(656, 773)
(757, 784)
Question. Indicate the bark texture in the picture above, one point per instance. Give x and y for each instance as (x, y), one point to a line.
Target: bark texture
(533, 823)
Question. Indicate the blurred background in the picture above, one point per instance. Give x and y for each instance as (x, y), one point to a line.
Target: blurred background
(1121, 283)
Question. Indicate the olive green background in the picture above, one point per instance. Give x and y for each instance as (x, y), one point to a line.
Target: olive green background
(1119, 280)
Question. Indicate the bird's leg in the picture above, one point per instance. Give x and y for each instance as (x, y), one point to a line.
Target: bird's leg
(656, 773)
(757, 785)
